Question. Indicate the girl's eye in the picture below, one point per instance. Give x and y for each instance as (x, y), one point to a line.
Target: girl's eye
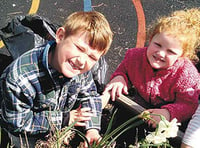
(157, 44)
(171, 52)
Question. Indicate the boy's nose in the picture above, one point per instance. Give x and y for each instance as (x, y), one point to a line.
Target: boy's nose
(81, 60)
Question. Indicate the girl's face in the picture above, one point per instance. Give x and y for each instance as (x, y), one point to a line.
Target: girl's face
(73, 55)
(163, 51)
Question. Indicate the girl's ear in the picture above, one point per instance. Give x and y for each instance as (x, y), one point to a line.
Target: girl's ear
(60, 34)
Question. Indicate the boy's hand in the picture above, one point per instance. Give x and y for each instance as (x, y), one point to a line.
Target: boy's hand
(105, 99)
(183, 145)
(92, 136)
(116, 87)
(163, 112)
(80, 115)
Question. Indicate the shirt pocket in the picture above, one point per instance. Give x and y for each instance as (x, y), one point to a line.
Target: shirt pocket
(45, 102)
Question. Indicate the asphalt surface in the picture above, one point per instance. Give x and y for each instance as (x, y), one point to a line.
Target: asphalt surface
(128, 18)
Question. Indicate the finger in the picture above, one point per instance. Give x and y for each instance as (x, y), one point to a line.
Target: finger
(149, 123)
(82, 118)
(91, 140)
(80, 124)
(105, 95)
(105, 99)
(99, 139)
(86, 144)
(154, 125)
(86, 114)
(125, 90)
(119, 91)
(73, 111)
(113, 93)
(85, 109)
(108, 88)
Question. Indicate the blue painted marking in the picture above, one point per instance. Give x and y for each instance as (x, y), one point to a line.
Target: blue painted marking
(87, 5)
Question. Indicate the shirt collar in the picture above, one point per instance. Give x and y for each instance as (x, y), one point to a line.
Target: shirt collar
(45, 54)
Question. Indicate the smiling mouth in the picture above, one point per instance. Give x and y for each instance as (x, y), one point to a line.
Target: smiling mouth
(158, 59)
(73, 66)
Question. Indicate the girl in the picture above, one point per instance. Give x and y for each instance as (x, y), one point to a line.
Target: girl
(163, 73)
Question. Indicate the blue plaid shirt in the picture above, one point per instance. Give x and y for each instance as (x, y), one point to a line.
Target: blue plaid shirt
(36, 96)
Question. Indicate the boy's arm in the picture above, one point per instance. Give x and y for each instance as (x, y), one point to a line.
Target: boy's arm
(18, 113)
(91, 99)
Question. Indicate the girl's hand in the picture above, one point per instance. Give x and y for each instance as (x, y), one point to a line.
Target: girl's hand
(116, 87)
(80, 115)
(163, 112)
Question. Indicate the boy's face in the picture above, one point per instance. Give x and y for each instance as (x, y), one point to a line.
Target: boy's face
(73, 55)
(163, 51)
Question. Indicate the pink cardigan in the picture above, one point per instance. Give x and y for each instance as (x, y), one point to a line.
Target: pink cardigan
(178, 87)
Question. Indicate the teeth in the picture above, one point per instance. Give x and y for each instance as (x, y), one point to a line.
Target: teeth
(73, 65)
(162, 60)
(159, 59)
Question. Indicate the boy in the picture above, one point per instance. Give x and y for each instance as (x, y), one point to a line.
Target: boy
(42, 86)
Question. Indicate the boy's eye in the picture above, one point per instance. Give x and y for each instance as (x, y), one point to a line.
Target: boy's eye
(84, 50)
(93, 58)
(80, 48)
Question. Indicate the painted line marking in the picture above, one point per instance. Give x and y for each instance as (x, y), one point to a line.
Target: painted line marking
(1, 44)
(87, 5)
(34, 8)
(141, 34)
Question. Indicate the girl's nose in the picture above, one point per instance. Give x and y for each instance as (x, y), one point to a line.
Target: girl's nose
(161, 53)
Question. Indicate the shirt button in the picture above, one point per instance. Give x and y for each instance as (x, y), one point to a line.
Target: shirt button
(44, 105)
(61, 76)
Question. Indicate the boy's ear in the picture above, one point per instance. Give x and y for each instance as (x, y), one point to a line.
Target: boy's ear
(60, 34)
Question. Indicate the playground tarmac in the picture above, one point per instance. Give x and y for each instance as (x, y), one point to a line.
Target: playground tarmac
(128, 18)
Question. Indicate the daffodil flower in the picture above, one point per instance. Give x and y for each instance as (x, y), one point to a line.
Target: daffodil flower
(169, 129)
(164, 130)
(155, 138)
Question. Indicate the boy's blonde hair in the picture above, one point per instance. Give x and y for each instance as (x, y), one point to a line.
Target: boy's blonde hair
(99, 31)
(184, 25)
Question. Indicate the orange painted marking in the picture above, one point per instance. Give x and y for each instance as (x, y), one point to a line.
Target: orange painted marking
(34, 8)
(141, 34)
